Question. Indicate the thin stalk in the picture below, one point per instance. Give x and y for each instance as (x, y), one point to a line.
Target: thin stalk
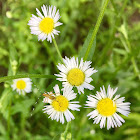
(64, 134)
(23, 118)
(49, 53)
(124, 44)
(136, 70)
(114, 6)
(57, 49)
(6, 78)
(111, 38)
(9, 117)
(128, 49)
(66, 130)
(96, 28)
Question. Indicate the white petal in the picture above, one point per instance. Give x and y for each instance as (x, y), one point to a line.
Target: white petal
(39, 13)
(57, 24)
(44, 10)
(56, 89)
(102, 123)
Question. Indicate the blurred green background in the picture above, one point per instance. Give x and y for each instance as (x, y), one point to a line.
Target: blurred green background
(116, 57)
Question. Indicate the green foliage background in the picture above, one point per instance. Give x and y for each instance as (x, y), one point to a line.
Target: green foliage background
(116, 57)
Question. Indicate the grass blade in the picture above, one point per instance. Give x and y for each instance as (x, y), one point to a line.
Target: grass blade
(85, 46)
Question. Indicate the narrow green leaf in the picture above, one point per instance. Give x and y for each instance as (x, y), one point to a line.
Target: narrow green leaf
(22, 106)
(5, 99)
(86, 45)
(2, 129)
(120, 51)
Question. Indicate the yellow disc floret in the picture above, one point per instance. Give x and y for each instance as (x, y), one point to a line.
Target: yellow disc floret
(106, 107)
(20, 84)
(46, 25)
(75, 77)
(60, 103)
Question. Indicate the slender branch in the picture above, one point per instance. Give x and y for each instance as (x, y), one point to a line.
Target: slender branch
(96, 28)
(57, 49)
(6, 78)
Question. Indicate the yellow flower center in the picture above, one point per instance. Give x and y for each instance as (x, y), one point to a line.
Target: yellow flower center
(20, 84)
(75, 77)
(60, 103)
(46, 25)
(106, 107)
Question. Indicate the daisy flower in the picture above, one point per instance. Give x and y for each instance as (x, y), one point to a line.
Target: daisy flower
(106, 108)
(22, 85)
(73, 74)
(44, 25)
(59, 105)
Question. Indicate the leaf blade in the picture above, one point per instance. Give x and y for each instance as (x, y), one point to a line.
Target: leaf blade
(86, 45)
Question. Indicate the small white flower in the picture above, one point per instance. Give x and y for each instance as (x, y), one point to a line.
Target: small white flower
(74, 74)
(106, 108)
(59, 105)
(22, 85)
(44, 25)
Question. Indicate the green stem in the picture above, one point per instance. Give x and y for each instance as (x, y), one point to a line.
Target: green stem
(6, 78)
(111, 38)
(66, 130)
(64, 134)
(128, 48)
(124, 44)
(114, 6)
(96, 28)
(57, 49)
(23, 118)
(48, 50)
(9, 117)
(136, 70)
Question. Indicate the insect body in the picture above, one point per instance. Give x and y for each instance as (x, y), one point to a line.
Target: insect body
(50, 96)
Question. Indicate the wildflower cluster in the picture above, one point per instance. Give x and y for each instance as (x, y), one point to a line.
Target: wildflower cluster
(73, 73)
